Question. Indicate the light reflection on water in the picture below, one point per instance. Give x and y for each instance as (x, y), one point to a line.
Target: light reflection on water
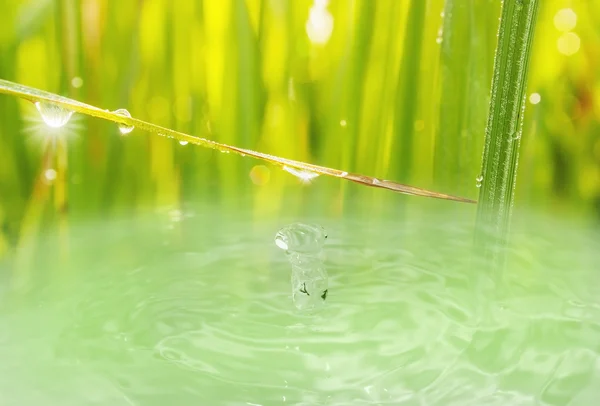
(202, 314)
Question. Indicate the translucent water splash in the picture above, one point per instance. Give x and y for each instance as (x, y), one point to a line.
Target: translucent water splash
(303, 244)
(123, 128)
(53, 115)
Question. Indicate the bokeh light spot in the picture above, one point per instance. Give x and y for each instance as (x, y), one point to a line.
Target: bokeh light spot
(568, 43)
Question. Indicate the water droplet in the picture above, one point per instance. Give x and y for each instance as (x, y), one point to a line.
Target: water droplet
(53, 115)
(76, 82)
(303, 175)
(124, 128)
(375, 181)
(341, 175)
(479, 180)
(183, 142)
(50, 174)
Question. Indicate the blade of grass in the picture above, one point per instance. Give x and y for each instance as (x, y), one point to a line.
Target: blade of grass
(505, 120)
(35, 95)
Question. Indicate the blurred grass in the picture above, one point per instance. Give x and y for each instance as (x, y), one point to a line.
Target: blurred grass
(381, 96)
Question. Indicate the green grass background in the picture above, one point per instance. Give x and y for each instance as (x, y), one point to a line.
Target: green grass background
(384, 97)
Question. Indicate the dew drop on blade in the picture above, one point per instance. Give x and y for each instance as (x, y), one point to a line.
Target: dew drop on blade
(478, 180)
(303, 244)
(305, 176)
(53, 115)
(124, 128)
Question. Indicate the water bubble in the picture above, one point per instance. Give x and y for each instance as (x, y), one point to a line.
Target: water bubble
(183, 142)
(302, 244)
(479, 180)
(124, 128)
(53, 115)
(303, 175)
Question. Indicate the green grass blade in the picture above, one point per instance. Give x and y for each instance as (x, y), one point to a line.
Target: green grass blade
(505, 119)
(35, 95)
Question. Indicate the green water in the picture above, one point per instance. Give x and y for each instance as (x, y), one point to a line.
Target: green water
(194, 308)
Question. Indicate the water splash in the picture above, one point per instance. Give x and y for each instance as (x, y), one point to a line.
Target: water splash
(303, 244)
(53, 115)
(124, 128)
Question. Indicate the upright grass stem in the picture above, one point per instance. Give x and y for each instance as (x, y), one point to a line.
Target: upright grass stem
(504, 127)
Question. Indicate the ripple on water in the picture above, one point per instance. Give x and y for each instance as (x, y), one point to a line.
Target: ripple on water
(400, 327)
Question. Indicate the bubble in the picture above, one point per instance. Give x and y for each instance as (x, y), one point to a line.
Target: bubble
(124, 128)
(53, 115)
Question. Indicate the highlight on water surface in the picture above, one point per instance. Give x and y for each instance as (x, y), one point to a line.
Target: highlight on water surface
(63, 106)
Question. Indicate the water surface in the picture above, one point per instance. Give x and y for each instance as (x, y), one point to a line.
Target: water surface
(194, 308)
